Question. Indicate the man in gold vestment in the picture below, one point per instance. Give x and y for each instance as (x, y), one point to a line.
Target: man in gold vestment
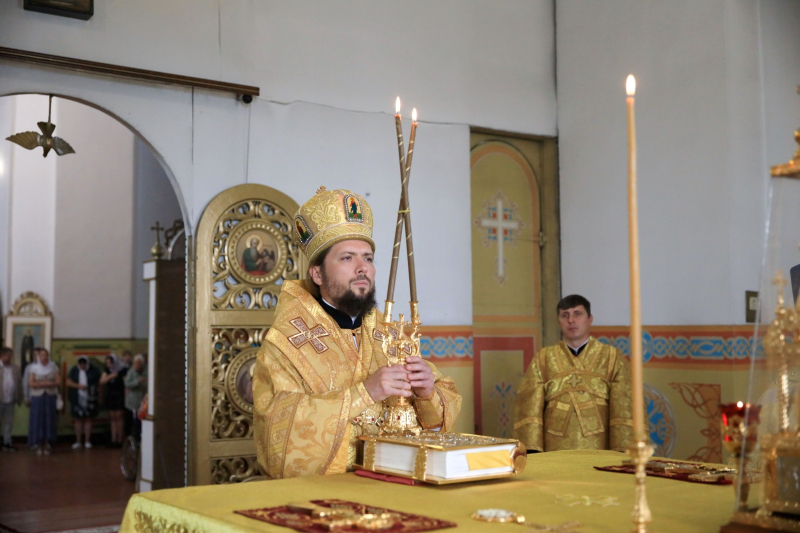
(321, 376)
(576, 394)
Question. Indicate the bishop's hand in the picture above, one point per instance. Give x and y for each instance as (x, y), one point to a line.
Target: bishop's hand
(388, 381)
(420, 376)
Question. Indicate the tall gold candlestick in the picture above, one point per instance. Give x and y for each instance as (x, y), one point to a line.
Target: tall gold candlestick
(636, 299)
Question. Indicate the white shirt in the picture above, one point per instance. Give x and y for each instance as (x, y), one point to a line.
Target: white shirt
(83, 394)
(8, 383)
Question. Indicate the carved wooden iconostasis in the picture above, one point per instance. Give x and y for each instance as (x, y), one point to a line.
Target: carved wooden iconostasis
(244, 252)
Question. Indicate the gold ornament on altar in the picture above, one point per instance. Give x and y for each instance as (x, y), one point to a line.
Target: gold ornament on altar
(401, 417)
(792, 168)
(780, 449)
(503, 516)
(335, 518)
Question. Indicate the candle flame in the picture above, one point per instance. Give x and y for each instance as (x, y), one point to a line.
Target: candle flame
(414, 115)
(739, 405)
(630, 85)
(397, 106)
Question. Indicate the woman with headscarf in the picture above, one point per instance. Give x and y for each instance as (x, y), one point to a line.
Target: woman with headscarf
(82, 382)
(43, 382)
(113, 380)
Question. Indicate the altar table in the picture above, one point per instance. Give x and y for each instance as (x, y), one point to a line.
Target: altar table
(677, 506)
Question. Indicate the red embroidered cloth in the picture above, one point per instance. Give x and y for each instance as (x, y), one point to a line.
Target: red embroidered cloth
(281, 516)
(630, 469)
(386, 477)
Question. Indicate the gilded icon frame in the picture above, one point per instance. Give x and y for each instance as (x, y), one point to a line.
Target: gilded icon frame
(247, 230)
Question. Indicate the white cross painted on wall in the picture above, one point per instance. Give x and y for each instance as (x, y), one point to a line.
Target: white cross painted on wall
(500, 223)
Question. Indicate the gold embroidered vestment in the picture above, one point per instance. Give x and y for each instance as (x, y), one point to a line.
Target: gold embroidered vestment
(310, 403)
(569, 402)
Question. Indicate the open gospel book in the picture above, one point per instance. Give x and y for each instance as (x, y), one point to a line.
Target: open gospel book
(440, 458)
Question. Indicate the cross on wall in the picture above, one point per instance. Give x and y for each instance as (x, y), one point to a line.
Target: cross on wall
(501, 225)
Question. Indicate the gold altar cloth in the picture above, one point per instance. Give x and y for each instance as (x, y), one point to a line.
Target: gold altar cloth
(677, 506)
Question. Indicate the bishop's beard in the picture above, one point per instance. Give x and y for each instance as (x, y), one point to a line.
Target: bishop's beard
(347, 301)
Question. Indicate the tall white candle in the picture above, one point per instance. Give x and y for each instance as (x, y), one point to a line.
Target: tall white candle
(636, 298)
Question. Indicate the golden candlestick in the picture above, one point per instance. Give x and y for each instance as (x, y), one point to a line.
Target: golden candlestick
(639, 454)
(401, 417)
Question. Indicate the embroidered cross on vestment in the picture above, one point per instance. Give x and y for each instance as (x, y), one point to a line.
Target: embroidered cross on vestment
(308, 335)
(574, 381)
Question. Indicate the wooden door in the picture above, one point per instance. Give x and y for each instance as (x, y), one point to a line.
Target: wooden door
(170, 364)
(515, 267)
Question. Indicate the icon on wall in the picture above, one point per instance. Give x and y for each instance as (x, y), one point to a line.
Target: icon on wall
(76, 9)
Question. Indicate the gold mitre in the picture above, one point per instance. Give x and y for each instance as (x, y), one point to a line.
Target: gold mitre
(331, 217)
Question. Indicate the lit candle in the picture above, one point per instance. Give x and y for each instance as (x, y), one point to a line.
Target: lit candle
(411, 142)
(399, 227)
(399, 127)
(412, 272)
(636, 299)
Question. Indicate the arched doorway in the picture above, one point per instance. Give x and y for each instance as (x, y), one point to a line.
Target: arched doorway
(76, 230)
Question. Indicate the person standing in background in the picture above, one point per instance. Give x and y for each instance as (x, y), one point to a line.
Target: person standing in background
(127, 362)
(82, 382)
(43, 380)
(10, 394)
(136, 385)
(112, 379)
(576, 395)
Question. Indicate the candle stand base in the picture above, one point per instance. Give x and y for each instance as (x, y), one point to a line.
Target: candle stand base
(401, 419)
(639, 454)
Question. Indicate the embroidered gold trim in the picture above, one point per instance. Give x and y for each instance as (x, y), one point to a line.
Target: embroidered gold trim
(308, 335)
(298, 359)
(344, 422)
(364, 393)
(529, 420)
(620, 422)
(321, 317)
(284, 407)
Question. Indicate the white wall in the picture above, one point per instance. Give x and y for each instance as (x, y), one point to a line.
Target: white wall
(6, 129)
(701, 137)
(466, 62)
(711, 116)
(94, 229)
(459, 63)
(298, 148)
(154, 200)
(76, 228)
(33, 207)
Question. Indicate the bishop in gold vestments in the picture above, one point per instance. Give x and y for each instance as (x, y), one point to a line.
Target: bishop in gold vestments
(576, 395)
(310, 396)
